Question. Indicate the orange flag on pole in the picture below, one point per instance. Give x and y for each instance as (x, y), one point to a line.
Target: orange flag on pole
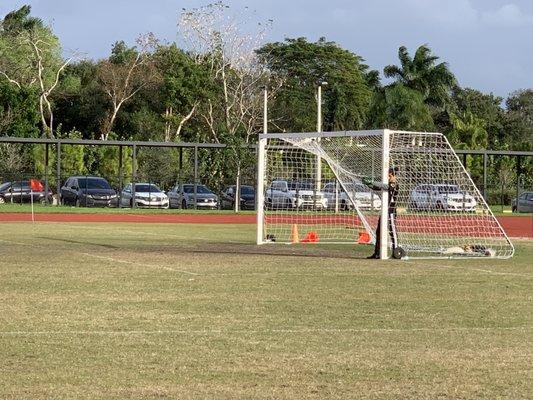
(36, 186)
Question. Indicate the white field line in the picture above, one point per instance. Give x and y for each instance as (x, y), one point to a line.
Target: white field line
(118, 260)
(487, 271)
(19, 243)
(501, 273)
(112, 259)
(262, 331)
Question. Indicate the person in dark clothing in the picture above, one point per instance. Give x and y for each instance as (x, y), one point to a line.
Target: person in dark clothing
(393, 188)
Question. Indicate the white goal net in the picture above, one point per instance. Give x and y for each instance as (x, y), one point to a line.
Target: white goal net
(315, 187)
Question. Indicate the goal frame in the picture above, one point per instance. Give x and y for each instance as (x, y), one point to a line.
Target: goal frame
(385, 133)
(385, 144)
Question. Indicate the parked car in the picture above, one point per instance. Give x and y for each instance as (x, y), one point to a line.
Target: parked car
(441, 197)
(363, 197)
(294, 194)
(88, 191)
(247, 198)
(21, 192)
(184, 196)
(524, 204)
(146, 195)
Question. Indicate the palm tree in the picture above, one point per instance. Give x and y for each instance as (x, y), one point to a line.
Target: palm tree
(422, 74)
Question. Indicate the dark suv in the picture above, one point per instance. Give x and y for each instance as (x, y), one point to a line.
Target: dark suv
(21, 192)
(88, 191)
(227, 200)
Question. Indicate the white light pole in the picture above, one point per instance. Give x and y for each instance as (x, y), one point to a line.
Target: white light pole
(319, 105)
(319, 129)
(265, 109)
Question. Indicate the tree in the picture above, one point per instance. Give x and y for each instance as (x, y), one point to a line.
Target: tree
(231, 109)
(518, 125)
(301, 65)
(519, 120)
(422, 73)
(72, 156)
(31, 57)
(124, 74)
(185, 85)
(216, 40)
(80, 102)
(19, 114)
(486, 107)
(399, 107)
(12, 161)
(468, 132)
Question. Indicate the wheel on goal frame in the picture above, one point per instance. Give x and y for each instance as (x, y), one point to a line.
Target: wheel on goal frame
(398, 253)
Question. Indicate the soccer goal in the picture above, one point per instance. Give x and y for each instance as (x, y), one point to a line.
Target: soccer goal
(314, 187)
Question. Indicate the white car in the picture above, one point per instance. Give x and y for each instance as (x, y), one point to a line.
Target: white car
(363, 197)
(146, 195)
(294, 194)
(441, 197)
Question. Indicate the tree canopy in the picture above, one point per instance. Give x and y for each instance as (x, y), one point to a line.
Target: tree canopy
(302, 66)
(423, 74)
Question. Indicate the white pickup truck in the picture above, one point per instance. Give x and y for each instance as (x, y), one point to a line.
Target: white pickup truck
(294, 194)
(363, 197)
(441, 197)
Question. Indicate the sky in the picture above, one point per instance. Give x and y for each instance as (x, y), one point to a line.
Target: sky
(488, 44)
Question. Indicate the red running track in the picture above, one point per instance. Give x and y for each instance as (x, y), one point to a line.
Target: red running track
(514, 226)
(152, 218)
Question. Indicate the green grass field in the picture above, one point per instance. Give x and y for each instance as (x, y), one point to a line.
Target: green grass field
(147, 311)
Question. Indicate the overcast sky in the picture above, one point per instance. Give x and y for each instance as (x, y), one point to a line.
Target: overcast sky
(488, 44)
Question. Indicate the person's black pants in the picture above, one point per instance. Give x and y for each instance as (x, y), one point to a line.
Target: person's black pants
(391, 217)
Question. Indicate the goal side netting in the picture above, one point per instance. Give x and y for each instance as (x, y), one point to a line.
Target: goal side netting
(315, 188)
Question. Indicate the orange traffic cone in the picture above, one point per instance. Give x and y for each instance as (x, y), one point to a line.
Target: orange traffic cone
(310, 237)
(294, 234)
(364, 238)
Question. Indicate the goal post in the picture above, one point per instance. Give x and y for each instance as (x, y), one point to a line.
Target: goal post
(439, 210)
(384, 234)
(260, 199)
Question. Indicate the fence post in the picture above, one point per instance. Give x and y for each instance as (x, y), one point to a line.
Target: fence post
(46, 174)
(120, 169)
(195, 176)
(58, 172)
(180, 174)
(485, 176)
(518, 172)
(133, 175)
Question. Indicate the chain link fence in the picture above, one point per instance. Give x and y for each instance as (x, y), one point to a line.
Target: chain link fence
(500, 177)
(214, 167)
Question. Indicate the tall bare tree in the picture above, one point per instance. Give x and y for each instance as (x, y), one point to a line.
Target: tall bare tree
(223, 42)
(46, 86)
(219, 40)
(124, 74)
